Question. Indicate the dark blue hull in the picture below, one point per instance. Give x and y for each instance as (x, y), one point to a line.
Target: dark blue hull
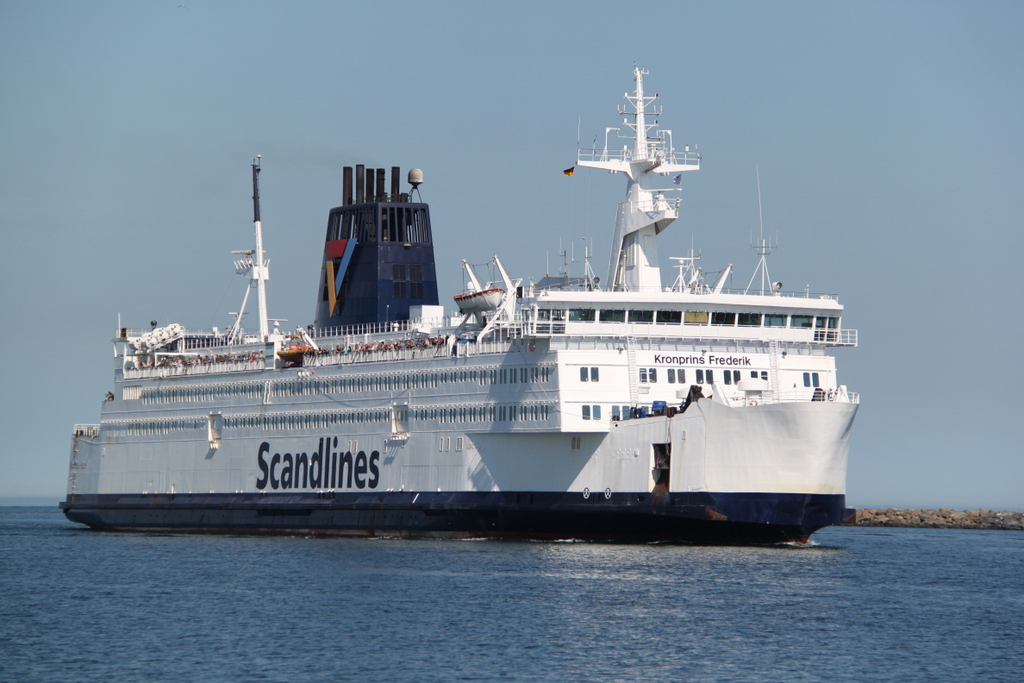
(705, 518)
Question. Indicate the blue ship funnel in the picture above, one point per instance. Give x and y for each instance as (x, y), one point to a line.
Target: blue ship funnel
(378, 255)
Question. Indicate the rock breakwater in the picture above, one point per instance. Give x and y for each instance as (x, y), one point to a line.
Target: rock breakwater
(943, 518)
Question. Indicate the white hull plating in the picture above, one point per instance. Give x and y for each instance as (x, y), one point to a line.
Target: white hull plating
(782, 448)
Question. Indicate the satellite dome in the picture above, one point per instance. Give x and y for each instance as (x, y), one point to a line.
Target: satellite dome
(415, 177)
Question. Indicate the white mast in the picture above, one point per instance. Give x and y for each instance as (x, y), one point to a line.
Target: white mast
(633, 265)
(261, 269)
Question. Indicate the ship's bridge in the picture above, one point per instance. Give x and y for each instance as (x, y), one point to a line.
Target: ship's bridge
(719, 316)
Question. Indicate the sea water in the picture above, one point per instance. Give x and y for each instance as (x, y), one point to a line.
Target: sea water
(857, 604)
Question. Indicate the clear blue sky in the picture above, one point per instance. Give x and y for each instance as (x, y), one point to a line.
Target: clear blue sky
(888, 138)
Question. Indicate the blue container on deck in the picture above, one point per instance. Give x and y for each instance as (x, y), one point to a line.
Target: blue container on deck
(643, 411)
(659, 407)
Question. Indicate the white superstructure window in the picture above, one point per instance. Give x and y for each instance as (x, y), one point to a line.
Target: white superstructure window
(676, 375)
(648, 375)
(705, 376)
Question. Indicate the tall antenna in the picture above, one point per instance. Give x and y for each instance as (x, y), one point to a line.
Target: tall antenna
(763, 248)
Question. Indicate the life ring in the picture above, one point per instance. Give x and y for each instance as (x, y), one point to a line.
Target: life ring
(751, 401)
(586, 493)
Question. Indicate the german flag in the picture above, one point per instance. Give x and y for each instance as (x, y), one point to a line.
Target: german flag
(569, 171)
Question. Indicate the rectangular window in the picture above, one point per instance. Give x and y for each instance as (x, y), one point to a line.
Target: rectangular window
(681, 375)
(593, 375)
(643, 374)
(723, 318)
(581, 314)
(653, 374)
(709, 376)
(750, 319)
(586, 412)
(735, 376)
(613, 316)
(597, 412)
(774, 320)
(671, 372)
(801, 321)
(638, 316)
(700, 376)
(615, 412)
(669, 317)
(696, 317)
(584, 375)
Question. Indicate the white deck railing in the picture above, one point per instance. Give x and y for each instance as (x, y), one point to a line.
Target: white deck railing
(196, 369)
(88, 431)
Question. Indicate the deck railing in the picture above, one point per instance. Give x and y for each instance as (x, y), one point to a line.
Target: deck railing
(197, 369)
(88, 431)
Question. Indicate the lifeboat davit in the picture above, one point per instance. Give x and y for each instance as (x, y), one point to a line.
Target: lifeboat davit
(478, 302)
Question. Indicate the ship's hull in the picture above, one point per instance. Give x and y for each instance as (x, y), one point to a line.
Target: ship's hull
(706, 518)
(714, 474)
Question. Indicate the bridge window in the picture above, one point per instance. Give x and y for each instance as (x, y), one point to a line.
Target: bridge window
(801, 321)
(750, 319)
(696, 317)
(613, 316)
(669, 317)
(638, 316)
(774, 320)
(723, 318)
(820, 331)
(581, 314)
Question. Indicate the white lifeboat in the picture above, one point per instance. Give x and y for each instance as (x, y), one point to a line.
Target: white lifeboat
(478, 302)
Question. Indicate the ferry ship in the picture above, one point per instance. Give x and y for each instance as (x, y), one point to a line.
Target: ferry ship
(565, 408)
